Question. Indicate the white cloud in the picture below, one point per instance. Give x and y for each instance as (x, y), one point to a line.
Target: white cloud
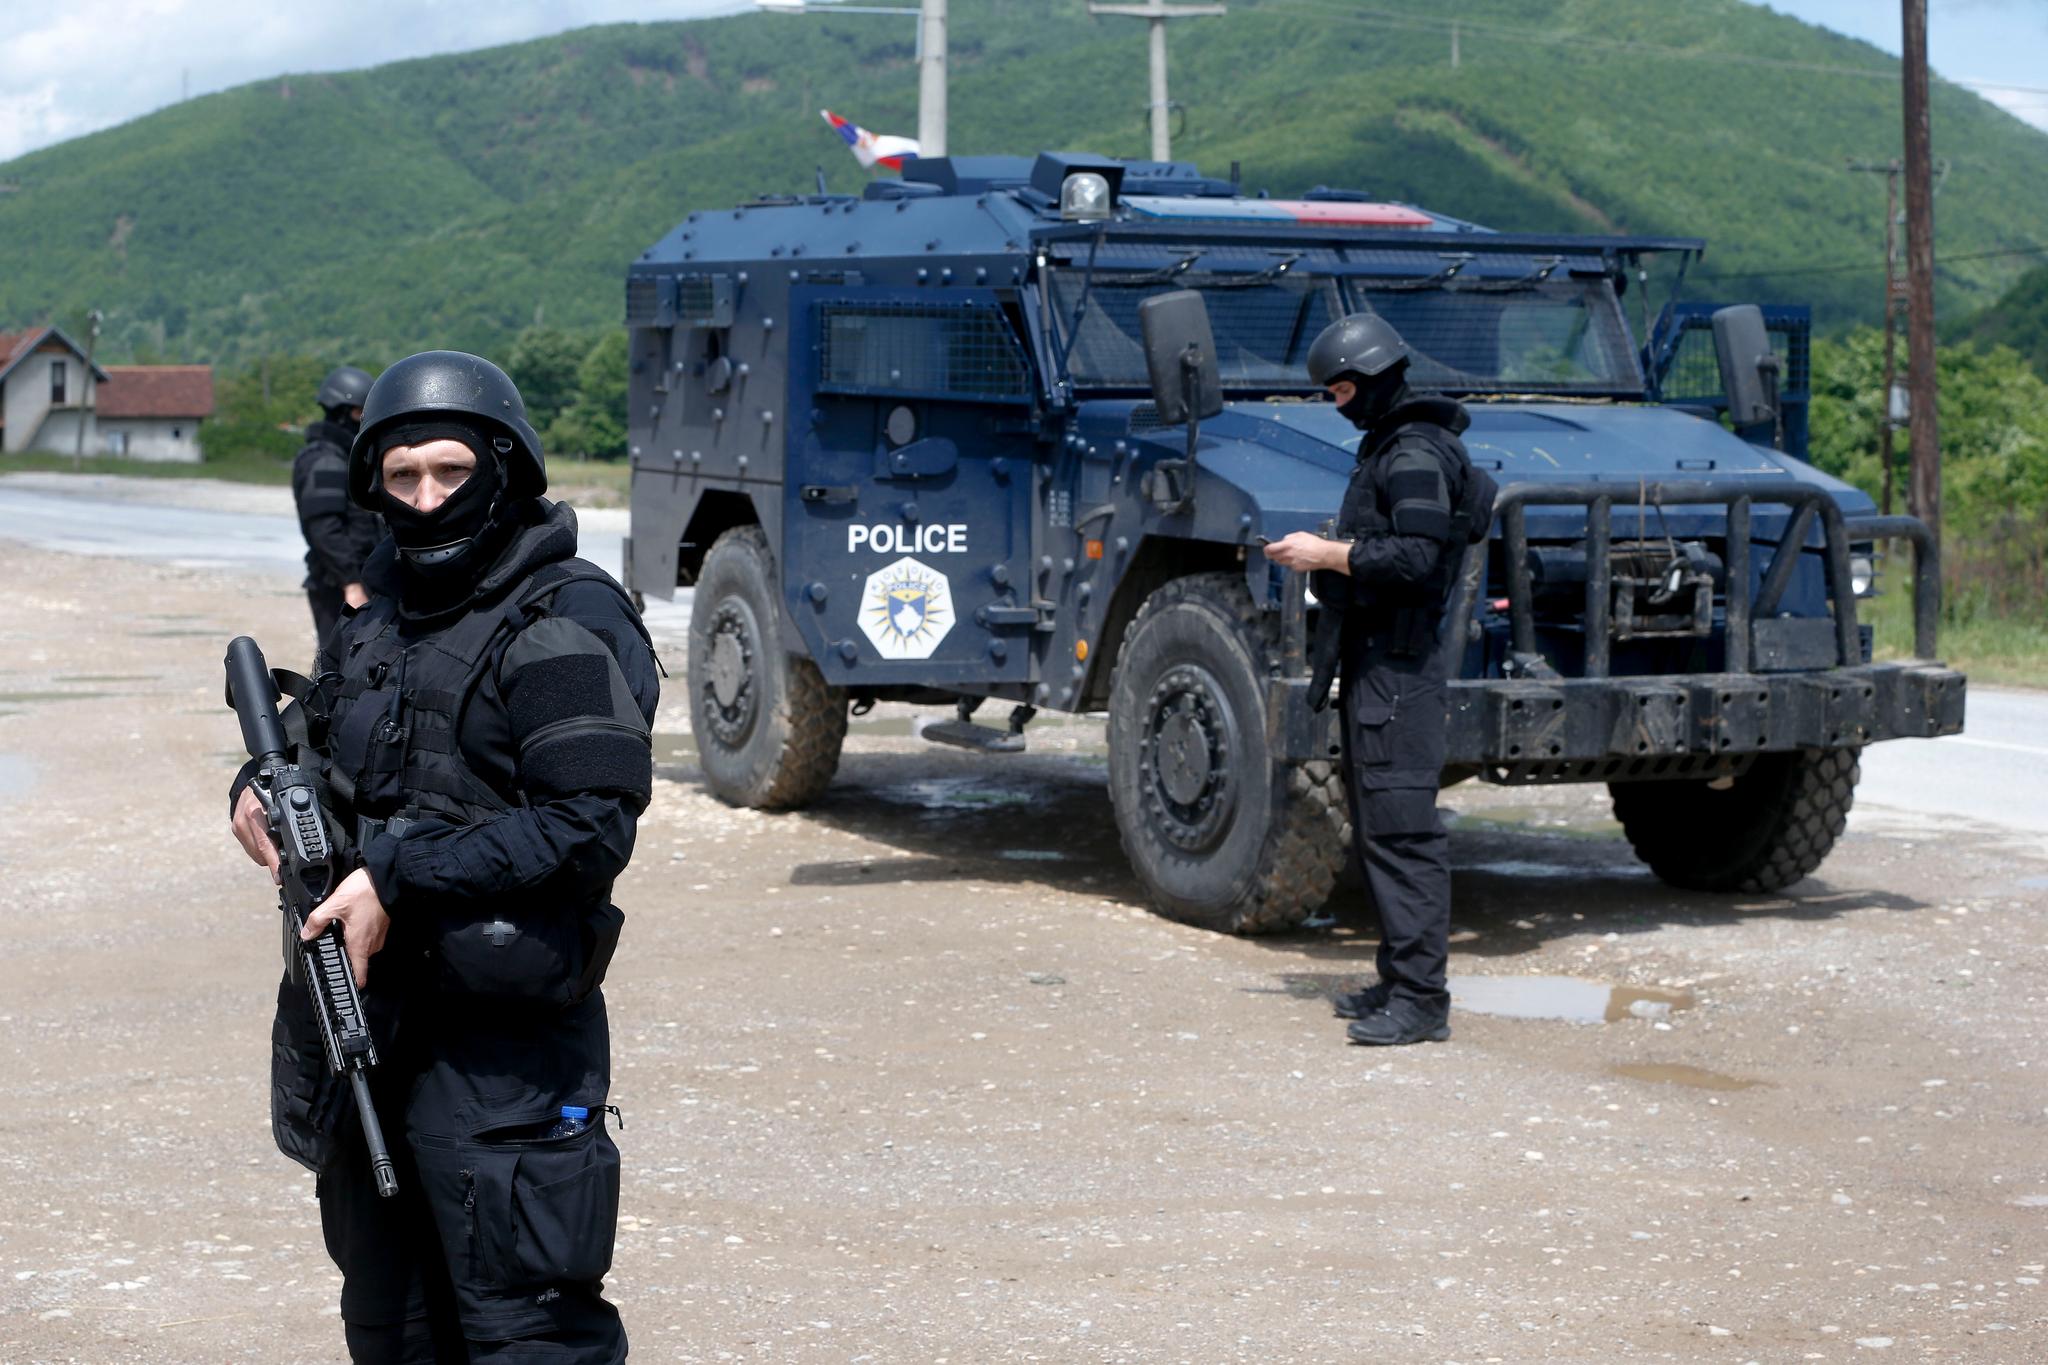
(83, 65)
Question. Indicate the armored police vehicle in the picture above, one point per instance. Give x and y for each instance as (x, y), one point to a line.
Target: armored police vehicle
(923, 445)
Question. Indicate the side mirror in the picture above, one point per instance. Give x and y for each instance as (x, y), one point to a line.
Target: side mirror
(1749, 370)
(1180, 356)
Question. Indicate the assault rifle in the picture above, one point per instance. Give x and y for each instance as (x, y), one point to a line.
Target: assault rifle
(309, 868)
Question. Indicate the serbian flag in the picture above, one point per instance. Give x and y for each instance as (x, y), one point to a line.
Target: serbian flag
(873, 150)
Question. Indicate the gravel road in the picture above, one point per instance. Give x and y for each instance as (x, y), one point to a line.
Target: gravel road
(914, 1076)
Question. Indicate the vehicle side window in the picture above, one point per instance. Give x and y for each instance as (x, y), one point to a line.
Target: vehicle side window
(937, 350)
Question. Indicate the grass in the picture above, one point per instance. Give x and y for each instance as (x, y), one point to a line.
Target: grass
(2008, 650)
(253, 467)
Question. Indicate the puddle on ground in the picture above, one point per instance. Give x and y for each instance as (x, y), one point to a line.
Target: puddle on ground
(1506, 820)
(1677, 1073)
(1032, 855)
(17, 776)
(2033, 883)
(671, 745)
(883, 726)
(1519, 867)
(106, 677)
(1563, 997)
(177, 634)
(29, 698)
(955, 794)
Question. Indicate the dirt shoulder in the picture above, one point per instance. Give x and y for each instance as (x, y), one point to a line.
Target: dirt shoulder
(914, 1075)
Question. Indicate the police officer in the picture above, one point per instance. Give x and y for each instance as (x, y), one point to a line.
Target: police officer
(1382, 582)
(482, 728)
(339, 535)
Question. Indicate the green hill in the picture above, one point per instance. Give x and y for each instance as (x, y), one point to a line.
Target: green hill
(453, 200)
(2019, 320)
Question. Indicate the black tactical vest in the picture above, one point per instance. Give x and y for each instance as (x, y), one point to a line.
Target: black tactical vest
(394, 740)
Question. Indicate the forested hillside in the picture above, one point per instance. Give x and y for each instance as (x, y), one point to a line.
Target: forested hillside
(456, 200)
(2019, 319)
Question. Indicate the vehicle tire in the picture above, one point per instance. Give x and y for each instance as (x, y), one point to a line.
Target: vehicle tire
(1221, 835)
(768, 729)
(1767, 830)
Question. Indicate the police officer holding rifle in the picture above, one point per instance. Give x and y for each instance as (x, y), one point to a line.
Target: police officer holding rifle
(478, 736)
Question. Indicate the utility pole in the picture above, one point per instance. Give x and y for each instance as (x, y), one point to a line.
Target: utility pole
(1894, 295)
(85, 393)
(1156, 13)
(931, 58)
(931, 79)
(1924, 433)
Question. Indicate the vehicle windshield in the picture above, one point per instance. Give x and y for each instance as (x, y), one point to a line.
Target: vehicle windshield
(1539, 335)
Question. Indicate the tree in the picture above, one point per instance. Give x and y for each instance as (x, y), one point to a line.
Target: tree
(243, 422)
(543, 364)
(1994, 455)
(594, 424)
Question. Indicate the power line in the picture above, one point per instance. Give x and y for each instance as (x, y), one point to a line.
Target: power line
(2000, 253)
(1341, 9)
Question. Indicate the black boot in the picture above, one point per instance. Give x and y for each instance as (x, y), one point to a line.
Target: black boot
(1400, 1023)
(1358, 1004)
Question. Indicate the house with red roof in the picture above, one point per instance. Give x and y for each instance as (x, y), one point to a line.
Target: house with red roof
(49, 390)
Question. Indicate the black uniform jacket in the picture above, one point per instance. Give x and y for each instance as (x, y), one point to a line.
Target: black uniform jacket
(558, 727)
(339, 534)
(1397, 514)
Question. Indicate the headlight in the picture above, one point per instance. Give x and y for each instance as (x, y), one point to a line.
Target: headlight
(1862, 576)
(1084, 197)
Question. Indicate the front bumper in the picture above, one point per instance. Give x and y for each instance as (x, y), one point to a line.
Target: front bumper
(1684, 725)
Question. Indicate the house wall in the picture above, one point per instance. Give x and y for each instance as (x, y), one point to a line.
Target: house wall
(27, 399)
(172, 439)
(150, 438)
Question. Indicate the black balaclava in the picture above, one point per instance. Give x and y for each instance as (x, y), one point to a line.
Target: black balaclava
(446, 550)
(1377, 396)
(345, 419)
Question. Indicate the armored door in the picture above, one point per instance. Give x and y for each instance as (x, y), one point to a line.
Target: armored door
(906, 526)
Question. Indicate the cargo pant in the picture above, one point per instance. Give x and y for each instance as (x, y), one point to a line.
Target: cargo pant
(495, 1248)
(1394, 749)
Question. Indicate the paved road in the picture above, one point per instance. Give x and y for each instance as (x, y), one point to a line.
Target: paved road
(121, 519)
(1996, 773)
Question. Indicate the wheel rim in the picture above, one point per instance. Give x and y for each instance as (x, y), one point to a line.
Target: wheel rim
(729, 689)
(1190, 742)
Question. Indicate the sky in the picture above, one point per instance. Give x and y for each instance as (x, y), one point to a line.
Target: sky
(81, 65)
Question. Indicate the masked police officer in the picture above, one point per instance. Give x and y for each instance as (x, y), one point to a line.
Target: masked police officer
(482, 728)
(339, 534)
(1407, 514)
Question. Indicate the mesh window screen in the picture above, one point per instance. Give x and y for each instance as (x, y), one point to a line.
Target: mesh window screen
(1695, 372)
(1262, 330)
(1557, 336)
(966, 351)
(642, 297)
(1560, 336)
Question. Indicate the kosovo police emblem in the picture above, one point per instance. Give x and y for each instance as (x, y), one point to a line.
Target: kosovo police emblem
(906, 610)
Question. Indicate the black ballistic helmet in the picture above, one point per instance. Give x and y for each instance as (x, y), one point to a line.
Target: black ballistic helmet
(453, 386)
(1364, 344)
(344, 387)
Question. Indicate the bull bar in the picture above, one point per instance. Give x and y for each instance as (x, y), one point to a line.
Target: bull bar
(1787, 683)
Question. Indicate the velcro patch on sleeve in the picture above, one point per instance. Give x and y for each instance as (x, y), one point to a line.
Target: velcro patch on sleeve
(331, 478)
(588, 756)
(559, 687)
(1422, 506)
